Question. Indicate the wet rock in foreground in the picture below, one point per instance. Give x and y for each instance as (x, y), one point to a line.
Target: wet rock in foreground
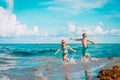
(109, 74)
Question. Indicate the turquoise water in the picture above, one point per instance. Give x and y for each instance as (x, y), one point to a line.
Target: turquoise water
(24, 56)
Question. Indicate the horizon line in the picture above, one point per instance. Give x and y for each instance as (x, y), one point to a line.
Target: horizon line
(56, 43)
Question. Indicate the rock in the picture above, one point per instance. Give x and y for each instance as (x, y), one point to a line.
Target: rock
(106, 78)
(49, 68)
(109, 74)
(117, 78)
(110, 58)
(97, 79)
(114, 76)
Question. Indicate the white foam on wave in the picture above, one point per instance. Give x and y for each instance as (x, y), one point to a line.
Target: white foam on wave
(93, 59)
(7, 61)
(3, 77)
(72, 61)
(3, 55)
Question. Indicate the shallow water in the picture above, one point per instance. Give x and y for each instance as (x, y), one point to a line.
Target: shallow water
(33, 61)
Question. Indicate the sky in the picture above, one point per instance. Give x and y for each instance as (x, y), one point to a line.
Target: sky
(50, 21)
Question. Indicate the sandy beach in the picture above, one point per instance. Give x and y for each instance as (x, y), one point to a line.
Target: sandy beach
(110, 65)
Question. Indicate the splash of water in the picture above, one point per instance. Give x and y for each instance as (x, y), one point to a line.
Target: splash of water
(72, 61)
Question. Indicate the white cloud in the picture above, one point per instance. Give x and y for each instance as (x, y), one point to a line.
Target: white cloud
(80, 30)
(10, 4)
(62, 38)
(74, 6)
(9, 26)
(71, 27)
(44, 34)
(98, 30)
(115, 31)
(22, 30)
(55, 8)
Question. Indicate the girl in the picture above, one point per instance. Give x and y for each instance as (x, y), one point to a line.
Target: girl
(64, 48)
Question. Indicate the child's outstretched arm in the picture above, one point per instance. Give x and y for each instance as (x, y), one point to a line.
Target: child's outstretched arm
(75, 39)
(57, 51)
(71, 49)
(91, 42)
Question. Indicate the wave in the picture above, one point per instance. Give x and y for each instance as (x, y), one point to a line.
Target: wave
(47, 50)
(5, 49)
(31, 53)
(22, 53)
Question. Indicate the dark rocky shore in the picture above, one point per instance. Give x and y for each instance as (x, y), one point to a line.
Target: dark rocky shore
(110, 72)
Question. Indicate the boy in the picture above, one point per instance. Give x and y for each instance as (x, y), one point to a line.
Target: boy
(84, 44)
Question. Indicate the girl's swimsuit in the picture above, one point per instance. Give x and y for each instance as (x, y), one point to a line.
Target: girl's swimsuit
(66, 51)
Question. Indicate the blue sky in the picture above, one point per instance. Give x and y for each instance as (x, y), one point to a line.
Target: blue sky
(50, 21)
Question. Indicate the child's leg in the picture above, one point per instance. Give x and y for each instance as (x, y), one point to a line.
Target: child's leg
(65, 58)
(84, 59)
(85, 55)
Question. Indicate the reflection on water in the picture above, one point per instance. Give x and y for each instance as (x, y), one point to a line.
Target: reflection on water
(86, 71)
(67, 76)
(88, 75)
(66, 72)
(38, 74)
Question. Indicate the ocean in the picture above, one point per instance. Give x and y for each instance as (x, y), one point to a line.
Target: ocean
(38, 61)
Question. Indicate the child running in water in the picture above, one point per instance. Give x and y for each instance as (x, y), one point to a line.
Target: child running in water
(64, 48)
(85, 46)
